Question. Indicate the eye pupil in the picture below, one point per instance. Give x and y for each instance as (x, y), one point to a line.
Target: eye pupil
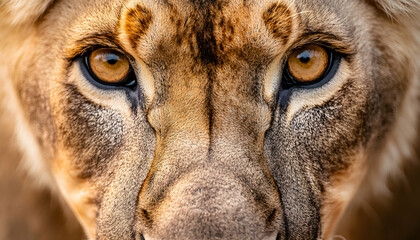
(112, 59)
(305, 56)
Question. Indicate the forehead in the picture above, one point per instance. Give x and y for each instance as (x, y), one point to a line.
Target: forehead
(140, 24)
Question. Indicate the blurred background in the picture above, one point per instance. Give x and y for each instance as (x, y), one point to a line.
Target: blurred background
(394, 217)
(26, 213)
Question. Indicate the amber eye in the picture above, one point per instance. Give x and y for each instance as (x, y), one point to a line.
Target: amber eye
(308, 64)
(109, 67)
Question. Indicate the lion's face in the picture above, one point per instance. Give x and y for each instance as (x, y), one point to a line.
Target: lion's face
(210, 119)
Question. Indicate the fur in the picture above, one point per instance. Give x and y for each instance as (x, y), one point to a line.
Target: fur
(400, 9)
(203, 140)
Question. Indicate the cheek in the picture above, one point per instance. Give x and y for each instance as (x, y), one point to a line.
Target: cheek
(90, 133)
(89, 137)
(326, 135)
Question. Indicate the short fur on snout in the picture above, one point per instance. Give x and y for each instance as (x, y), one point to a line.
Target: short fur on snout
(201, 147)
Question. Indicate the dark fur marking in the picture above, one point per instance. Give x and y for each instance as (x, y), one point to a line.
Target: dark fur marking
(278, 20)
(136, 22)
(147, 219)
(136, 97)
(206, 41)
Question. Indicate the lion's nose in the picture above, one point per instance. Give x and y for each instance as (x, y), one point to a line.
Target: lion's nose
(210, 205)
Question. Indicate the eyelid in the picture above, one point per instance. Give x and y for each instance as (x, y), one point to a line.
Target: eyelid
(326, 40)
(90, 43)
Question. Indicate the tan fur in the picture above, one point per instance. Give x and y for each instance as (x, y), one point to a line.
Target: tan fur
(340, 193)
(204, 147)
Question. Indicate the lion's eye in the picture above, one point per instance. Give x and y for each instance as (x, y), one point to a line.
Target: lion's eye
(310, 65)
(109, 67)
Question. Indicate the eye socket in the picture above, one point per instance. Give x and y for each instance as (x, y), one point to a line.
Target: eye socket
(109, 67)
(310, 66)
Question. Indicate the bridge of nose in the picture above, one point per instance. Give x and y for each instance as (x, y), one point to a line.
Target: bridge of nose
(210, 119)
(209, 174)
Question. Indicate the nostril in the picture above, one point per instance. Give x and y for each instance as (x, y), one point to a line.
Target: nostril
(141, 237)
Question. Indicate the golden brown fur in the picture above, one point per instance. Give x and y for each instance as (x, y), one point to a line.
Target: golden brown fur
(210, 144)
